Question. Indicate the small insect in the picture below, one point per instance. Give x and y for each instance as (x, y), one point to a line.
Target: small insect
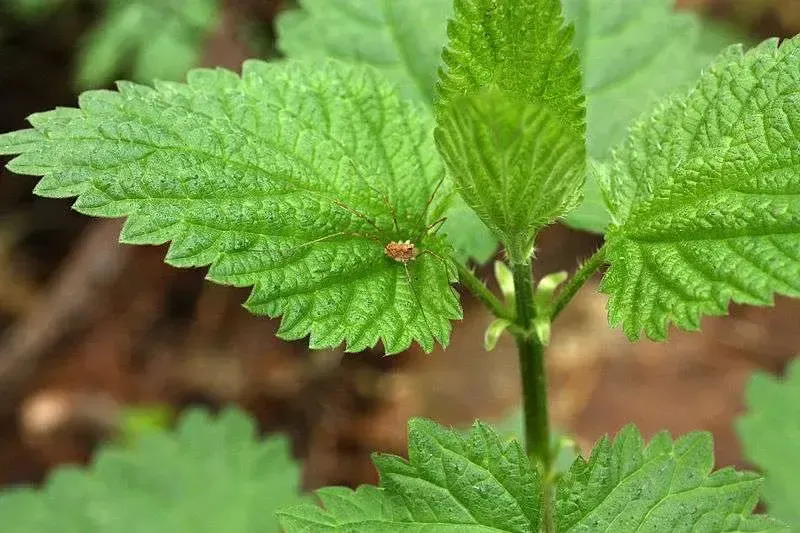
(402, 251)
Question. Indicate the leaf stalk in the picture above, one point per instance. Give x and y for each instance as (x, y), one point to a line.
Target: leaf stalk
(480, 291)
(581, 276)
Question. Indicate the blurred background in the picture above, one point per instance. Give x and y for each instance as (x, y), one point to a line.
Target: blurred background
(90, 330)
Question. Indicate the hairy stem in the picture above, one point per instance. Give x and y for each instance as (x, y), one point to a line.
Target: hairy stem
(479, 289)
(534, 385)
(577, 281)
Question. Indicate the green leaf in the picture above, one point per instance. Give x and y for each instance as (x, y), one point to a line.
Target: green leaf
(633, 53)
(706, 197)
(210, 475)
(470, 237)
(515, 164)
(451, 482)
(770, 431)
(510, 117)
(403, 40)
(288, 179)
(138, 420)
(591, 214)
(480, 482)
(158, 39)
(520, 49)
(563, 447)
(626, 486)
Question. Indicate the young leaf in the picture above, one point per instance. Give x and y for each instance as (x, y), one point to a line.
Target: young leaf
(209, 475)
(633, 53)
(403, 40)
(289, 179)
(515, 164)
(627, 487)
(161, 40)
(452, 482)
(705, 196)
(510, 116)
(769, 432)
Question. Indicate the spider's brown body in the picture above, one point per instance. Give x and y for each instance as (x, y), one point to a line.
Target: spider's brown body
(402, 251)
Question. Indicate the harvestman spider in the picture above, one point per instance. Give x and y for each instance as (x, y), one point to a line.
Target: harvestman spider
(400, 251)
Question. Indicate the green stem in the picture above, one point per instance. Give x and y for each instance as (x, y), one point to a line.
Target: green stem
(477, 287)
(577, 281)
(534, 386)
(531, 362)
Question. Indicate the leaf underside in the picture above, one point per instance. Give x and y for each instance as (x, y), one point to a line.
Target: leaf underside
(705, 196)
(516, 164)
(479, 482)
(633, 53)
(769, 432)
(158, 39)
(210, 475)
(510, 116)
(288, 179)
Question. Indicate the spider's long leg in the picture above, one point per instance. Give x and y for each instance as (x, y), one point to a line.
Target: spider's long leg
(437, 256)
(447, 264)
(357, 213)
(433, 195)
(437, 224)
(326, 237)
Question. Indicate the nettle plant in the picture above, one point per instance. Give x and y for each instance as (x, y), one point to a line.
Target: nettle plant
(330, 188)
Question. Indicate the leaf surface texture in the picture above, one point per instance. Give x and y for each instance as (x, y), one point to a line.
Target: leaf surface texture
(473, 483)
(403, 40)
(510, 116)
(705, 196)
(629, 487)
(289, 179)
(480, 482)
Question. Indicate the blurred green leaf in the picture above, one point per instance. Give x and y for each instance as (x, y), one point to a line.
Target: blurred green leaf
(137, 421)
(156, 39)
(770, 433)
(211, 475)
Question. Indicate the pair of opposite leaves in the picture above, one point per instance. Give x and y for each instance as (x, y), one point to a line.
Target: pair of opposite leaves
(270, 178)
